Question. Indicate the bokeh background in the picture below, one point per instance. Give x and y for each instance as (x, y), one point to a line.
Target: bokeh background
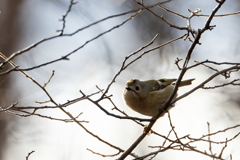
(25, 22)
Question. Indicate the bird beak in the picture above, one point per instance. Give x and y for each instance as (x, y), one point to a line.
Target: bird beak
(127, 88)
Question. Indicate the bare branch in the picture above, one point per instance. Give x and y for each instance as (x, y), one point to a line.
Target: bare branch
(220, 15)
(168, 10)
(224, 84)
(225, 146)
(168, 102)
(64, 16)
(5, 109)
(207, 25)
(45, 84)
(207, 66)
(173, 128)
(205, 82)
(124, 65)
(29, 154)
(100, 154)
(137, 11)
(179, 143)
(62, 109)
(210, 143)
(28, 114)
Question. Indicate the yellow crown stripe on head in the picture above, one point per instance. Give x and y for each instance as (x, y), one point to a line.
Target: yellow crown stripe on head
(131, 80)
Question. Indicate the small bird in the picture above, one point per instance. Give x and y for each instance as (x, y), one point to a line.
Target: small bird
(146, 97)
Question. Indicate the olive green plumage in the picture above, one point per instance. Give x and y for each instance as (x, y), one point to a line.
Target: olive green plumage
(146, 97)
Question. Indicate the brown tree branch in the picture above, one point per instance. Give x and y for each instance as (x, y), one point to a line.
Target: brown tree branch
(167, 104)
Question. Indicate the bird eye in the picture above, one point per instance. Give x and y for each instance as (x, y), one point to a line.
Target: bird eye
(162, 80)
(137, 88)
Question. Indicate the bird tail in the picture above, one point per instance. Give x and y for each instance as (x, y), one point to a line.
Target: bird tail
(185, 82)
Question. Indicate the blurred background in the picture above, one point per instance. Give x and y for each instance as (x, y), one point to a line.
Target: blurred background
(25, 22)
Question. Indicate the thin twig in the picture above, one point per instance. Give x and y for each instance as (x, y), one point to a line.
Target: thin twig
(64, 16)
(62, 109)
(104, 155)
(15, 54)
(8, 108)
(219, 15)
(209, 139)
(167, 104)
(29, 154)
(205, 82)
(45, 84)
(125, 65)
(168, 10)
